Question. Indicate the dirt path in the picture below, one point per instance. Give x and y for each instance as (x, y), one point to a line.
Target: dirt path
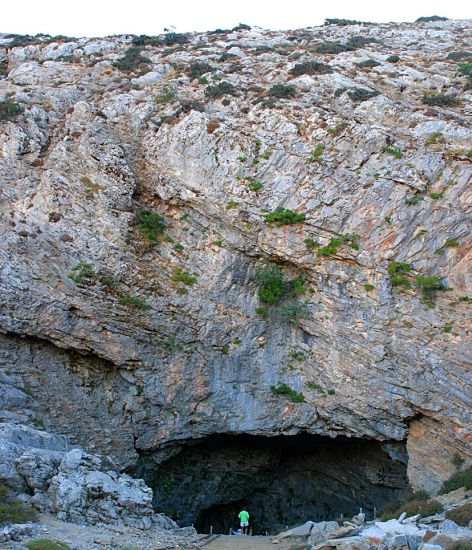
(226, 542)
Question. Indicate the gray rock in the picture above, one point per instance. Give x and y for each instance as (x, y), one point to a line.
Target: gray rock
(89, 149)
(320, 530)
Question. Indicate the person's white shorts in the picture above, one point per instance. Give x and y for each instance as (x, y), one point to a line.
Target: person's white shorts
(244, 524)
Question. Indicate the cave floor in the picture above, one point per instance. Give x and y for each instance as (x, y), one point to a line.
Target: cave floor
(225, 542)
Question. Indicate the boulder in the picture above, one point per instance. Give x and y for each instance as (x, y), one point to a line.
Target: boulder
(81, 493)
(302, 531)
(341, 531)
(320, 530)
(359, 519)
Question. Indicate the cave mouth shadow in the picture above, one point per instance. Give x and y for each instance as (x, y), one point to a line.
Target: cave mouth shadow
(282, 481)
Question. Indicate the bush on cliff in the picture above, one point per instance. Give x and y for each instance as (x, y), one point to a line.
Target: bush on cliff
(459, 479)
(151, 224)
(281, 216)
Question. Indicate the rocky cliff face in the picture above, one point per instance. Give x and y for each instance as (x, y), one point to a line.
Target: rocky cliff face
(134, 334)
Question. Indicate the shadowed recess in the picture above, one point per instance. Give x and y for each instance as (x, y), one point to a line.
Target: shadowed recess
(281, 480)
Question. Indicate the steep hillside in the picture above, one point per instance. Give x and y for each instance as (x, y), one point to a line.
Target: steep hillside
(241, 233)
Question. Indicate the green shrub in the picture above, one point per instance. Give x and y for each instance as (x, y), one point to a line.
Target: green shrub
(360, 41)
(393, 59)
(242, 27)
(181, 276)
(231, 204)
(310, 243)
(314, 386)
(271, 284)
(196, 70)
(292, 311)
(310, 68)
(397, 271)
(460, 55)
(451, 242)
(168, 94)
(16, 512)
(282, 91)
(144, 40)
(281, 216)
(351, 239)
(392, 151)
(465, 69)
(462, 545)
(273, 290)
(45, 544)
(440, 100)
(461, 515)
(226, 55)
(132, 60)
(316, 156)
(255, 185)
(172, 38)
(361, 94)
(82, 273)
(429, 284)
(433, 138)
(344, 22)
(109, 282)
(414, 199)
(9, 110)
(127, 300)
(292, 395)
(388, 219)
(368, 64)
(332, 48)
(188, 105)
(457, 480)
(151, 224)
(431, 18)
(262, 311)
(220, 89)
(369, 287)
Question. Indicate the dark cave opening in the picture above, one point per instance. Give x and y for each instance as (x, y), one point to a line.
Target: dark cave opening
(282, 480)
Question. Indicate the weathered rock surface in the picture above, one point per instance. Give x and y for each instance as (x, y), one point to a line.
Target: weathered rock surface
(74, 485)
(89, 360)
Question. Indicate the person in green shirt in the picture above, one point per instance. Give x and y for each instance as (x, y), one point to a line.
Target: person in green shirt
(244, 521)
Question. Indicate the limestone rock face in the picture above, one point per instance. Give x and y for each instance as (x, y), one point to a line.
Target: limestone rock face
(127, 345)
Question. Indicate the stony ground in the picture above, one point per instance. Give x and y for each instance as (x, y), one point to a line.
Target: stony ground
(89, 537)
(225, 542)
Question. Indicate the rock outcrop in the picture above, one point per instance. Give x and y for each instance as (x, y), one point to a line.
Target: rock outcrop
(73, 485)
(131, 333)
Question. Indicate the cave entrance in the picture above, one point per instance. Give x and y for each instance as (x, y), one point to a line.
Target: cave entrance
(281, 480)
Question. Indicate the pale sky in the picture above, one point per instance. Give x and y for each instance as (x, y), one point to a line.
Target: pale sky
(106, 17)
